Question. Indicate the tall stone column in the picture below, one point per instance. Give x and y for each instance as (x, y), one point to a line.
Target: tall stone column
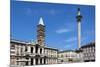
(39, 50)
(42, 60)
(43, 54)
(79, 34)
(47, 61)
(38, 61)
(34, 61)
(79, 18)
(29, 62)
(42, 50)
(19, 51)
(34, 51)
(28, 49)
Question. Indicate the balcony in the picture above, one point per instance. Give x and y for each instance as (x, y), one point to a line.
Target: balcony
(22, 60)
(12, 54)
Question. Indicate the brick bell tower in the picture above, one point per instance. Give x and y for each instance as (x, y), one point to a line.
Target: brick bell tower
(41, 32)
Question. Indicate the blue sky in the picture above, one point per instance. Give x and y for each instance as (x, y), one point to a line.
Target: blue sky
(59, 19)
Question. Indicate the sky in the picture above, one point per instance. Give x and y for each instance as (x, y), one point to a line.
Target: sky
(59, 19)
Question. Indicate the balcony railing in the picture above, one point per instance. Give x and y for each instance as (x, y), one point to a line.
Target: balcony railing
(22, 60)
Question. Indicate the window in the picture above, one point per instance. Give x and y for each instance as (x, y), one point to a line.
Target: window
(25, 48)
(58, 55)
(31, 49)
(66, 55)
(40, 50)
(12, 46)
(12, 52)
(12, 61)
(26, 61)
(21, 49)
(40, 61)
(61, 60)
(61, 55)
(31, 61)
(17, 63)
(36, 51)
(36, 61)
(44, 61)
(17, 50)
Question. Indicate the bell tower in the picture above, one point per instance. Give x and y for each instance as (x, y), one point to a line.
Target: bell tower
(41, 32)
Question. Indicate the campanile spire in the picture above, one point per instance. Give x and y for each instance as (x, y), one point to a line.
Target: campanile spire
(41, 21)
(41, 32)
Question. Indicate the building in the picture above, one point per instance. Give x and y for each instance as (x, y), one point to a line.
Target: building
(88, 52)
(69, 56)
(32, 53)
(37, 53)
(17, 52)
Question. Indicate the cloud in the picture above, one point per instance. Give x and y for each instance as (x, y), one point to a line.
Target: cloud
(70, 46)
(53, 12)
(63, 30)
(90, 32)
(74, 39)
(28, 11)
(71, 39)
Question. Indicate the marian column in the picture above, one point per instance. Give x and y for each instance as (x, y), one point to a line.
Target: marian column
(79, 17)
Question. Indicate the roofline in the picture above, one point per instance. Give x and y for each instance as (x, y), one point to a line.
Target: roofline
(51, 48)
(66, 51)
(28, 43)
(89, 44)
(18, 41)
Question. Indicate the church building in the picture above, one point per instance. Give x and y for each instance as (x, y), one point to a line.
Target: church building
(28, 53)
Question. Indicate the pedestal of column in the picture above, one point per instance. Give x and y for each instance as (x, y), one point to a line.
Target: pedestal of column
(34, 50)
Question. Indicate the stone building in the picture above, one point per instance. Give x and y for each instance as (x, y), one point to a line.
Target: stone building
(28, 53)
(88, 52)
(69, 56)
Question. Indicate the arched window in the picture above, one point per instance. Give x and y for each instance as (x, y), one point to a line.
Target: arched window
(31, 49)
(25, 48)
(40, 50)
(12, 46)
(36, 51)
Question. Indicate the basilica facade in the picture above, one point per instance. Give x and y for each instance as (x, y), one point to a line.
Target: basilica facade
(29, 53)
(38, 53)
